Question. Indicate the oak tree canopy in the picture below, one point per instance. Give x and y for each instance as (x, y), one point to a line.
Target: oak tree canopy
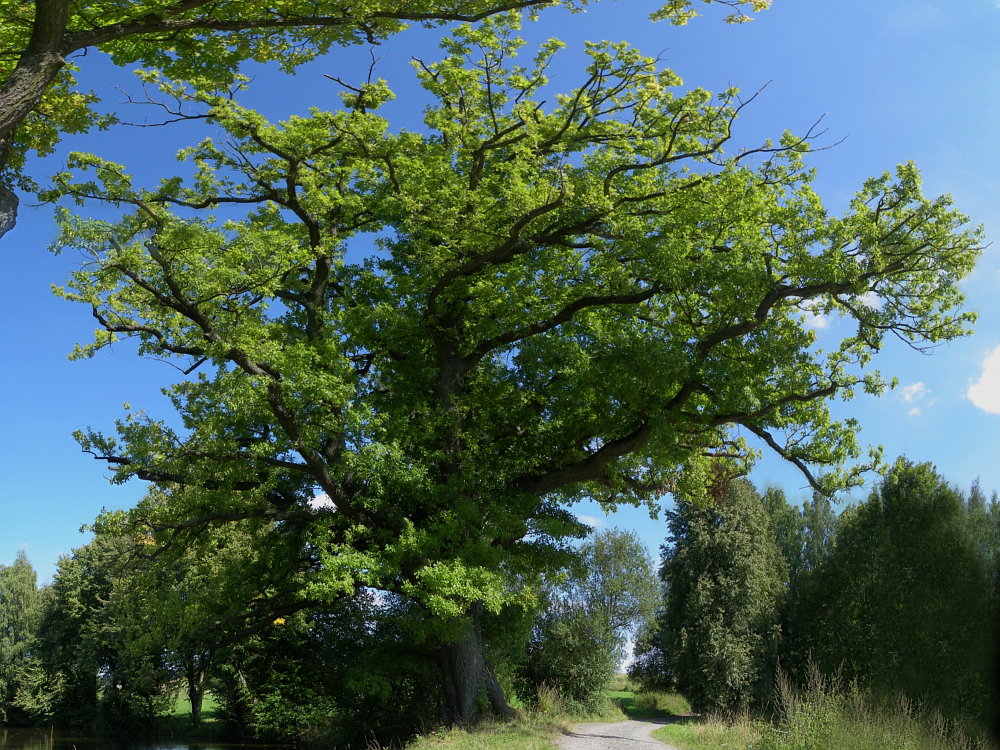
(43, 43)
(451, 334)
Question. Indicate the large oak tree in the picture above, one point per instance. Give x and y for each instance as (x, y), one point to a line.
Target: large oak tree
(451, 334)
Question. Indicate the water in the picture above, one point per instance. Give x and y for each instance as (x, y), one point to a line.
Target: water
(57, 739)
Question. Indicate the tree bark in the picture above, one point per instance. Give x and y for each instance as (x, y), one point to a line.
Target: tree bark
(37, 67)
(196, 696)
(470, 684)
(8, 207)
(197, 676)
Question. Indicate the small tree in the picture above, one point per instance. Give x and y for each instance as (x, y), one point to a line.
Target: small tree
(19, 611)
(615, 582)
(572, 654)
(724, 581)
(579, 639)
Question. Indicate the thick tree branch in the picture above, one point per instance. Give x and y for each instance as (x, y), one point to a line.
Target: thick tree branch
(564, 315)
(167, 21)
(589, 468)
(37, 66)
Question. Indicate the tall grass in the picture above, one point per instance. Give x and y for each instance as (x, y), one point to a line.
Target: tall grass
(824, 716)
(645, 704)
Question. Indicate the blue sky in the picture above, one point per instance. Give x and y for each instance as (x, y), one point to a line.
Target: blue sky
(896, 80)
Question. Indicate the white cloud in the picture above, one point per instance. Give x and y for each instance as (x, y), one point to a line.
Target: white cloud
(985, 392)
(322, 502)
(811, 317)
(592, 521)
(871, 300)
(817, 321)
(914, 392)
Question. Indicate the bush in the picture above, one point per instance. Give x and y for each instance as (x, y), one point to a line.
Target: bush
(574, 655)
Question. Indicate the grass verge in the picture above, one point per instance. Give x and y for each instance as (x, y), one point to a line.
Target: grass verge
(645, 704)
(524, 733)
(823, 717)
(695, 733)
(534, 729)
(176, 724)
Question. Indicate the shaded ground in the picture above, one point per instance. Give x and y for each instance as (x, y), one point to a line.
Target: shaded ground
(621, 735)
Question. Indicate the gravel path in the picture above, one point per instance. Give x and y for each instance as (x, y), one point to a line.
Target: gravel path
(621, 735)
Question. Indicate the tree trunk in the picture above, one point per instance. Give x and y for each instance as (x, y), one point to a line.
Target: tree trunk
(469, 682)
(22, 91)
(197, 678)
(8, 208)
(196, 695)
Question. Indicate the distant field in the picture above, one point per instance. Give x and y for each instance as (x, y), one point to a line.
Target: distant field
(182, 706)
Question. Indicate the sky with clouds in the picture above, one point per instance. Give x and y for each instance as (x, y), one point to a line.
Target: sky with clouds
(893, 80)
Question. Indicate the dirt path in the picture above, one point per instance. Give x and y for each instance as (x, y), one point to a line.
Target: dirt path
(622, 735)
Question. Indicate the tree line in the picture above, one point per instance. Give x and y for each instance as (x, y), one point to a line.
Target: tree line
(897, 596)
(117, 636)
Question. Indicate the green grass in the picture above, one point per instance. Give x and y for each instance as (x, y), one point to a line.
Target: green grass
(533, 729)
(824, 717)
(176, 724)
(641, 704)
(694, 733)
(182, 706)
(621, 683)
(525, 733)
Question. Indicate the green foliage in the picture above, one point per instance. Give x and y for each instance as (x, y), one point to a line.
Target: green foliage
(572, 654)
(588, 612)
(19, 611)
(91, 671)
(186, 602)
(985, 519)
(195, 41)
(560, 290)
(724, 579)
(903, 604)
(805, 535)
(659, 703)
(617, 583)
(345, 676)
(411, 391)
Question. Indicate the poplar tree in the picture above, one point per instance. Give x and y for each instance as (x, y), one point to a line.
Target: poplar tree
(723, 578)
(19, 611)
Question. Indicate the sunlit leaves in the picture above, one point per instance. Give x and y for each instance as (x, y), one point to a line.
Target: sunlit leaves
(535, 299)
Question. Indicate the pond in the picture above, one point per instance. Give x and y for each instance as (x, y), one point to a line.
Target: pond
(57, 739)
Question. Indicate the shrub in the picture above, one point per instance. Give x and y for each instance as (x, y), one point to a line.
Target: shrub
(573, 654)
